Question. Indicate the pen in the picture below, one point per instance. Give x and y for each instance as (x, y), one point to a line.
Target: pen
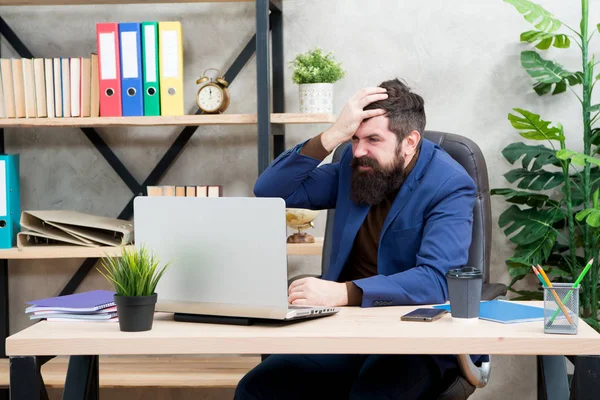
(576, 284)
(549, 284)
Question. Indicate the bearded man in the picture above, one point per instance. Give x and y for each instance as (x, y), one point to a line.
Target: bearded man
(404, 213)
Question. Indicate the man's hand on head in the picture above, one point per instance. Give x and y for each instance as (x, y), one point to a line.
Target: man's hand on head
(352, 115)
(317, 292)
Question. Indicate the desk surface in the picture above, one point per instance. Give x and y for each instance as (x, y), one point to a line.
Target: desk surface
(353, 330)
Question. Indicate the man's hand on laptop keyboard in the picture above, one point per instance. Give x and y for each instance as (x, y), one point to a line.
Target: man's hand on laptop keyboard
(317, 292)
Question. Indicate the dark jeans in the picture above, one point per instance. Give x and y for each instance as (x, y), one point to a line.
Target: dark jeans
(345, 376)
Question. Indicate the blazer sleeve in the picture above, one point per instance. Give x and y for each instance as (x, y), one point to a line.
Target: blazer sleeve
(447, 236)
(300, 180)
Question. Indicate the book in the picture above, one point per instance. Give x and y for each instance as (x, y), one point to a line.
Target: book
(54, 312)
(72, 316)
(79, 302)
(506, 312)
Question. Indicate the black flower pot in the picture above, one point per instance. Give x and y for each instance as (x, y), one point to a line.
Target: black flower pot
(136, 313)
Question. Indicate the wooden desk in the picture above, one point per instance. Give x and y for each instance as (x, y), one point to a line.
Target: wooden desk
(353, 330)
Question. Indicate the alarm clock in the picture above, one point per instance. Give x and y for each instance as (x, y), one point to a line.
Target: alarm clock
(213, 95)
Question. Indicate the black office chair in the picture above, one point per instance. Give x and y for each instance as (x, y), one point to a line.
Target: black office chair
(469, 155)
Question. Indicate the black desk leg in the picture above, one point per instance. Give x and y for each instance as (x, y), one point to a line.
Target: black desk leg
(586, 378)
(553, 383)
(82, 381)
(24, 379)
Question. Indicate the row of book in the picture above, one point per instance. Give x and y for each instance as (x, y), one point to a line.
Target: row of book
(95, 305)
(186, 191)
(137, 70)
(49, 87)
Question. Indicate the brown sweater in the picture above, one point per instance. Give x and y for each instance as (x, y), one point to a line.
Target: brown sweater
(362, 261)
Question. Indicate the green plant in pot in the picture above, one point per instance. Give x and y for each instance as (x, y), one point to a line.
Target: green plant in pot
(134, 275)
(315, 72)
(553, 217)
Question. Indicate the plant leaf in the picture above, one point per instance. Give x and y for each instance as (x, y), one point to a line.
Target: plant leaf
(547, 72)
(540, 155)
(595, 136)
(536, 15)
(529, 226)
(544, 88)
(591, 217)
(594, 108)
(134, 273)
(532, 127)
(576, 158)
(526, 198)
(534, 180)
(546, 39)
(536, 252)
(576, 192)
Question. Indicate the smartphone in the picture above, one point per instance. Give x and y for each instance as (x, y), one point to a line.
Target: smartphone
(424, 314)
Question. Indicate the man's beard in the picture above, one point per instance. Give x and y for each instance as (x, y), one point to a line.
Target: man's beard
(372, 186)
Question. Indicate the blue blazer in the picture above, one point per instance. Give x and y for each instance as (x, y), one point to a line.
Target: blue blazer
(427, 231)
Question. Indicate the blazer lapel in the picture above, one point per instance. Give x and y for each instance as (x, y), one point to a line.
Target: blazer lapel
(411, 183)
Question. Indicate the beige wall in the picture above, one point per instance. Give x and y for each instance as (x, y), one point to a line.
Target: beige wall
(461, 56)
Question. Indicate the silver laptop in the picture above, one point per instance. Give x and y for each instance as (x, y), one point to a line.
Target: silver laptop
(228, 256)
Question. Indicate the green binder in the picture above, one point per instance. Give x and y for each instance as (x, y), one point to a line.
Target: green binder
(150, 68)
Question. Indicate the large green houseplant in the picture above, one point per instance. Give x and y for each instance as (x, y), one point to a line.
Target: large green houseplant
(134, 273)
(554, 218)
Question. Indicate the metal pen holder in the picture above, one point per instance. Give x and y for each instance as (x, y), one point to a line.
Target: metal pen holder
(561, 309)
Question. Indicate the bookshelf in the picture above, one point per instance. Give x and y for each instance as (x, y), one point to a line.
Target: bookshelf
(47, 252)
(184, 120)
(270, 118)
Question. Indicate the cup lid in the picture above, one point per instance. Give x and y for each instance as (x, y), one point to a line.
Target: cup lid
(464, 273)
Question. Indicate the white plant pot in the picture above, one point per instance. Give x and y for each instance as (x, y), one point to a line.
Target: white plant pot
(316, 98)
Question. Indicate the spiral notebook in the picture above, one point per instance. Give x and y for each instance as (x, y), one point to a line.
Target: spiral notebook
(79, 302)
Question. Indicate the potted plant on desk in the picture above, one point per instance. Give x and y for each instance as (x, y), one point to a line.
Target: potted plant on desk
(316, 72)
(134, 275)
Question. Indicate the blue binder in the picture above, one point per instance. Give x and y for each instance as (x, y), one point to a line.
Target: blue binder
(10, 200)
(132, 92)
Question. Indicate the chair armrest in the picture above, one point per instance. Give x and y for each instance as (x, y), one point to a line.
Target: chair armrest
(476, 376)
(491, 291)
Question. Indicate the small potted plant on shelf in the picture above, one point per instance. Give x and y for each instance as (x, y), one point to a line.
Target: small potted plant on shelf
(134, 274)
(315, 72)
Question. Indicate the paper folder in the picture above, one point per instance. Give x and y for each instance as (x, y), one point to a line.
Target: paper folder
(150, 68)
(71, 227)
(10, 200)
(107, 37)
(132, 96)
(170, 48)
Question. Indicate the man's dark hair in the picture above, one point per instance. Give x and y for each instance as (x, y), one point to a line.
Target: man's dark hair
(405, 109)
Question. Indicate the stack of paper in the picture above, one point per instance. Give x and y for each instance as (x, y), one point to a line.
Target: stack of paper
(96, 305)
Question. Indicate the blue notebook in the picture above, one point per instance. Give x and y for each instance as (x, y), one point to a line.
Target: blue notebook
(506, 312)
(79, 302)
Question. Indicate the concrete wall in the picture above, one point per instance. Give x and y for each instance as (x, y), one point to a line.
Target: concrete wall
(462, 57)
